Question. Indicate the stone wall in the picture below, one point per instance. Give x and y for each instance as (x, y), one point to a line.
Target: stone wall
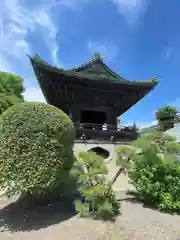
(122, 182)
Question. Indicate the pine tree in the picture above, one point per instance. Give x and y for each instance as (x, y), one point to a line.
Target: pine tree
(98, 196)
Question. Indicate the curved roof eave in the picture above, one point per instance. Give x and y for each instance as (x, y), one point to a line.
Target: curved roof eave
(94, 77)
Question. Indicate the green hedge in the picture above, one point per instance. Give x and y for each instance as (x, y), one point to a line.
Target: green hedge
(36, 141)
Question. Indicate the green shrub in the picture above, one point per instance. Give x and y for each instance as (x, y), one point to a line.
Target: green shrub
(156, 171)
(158, 183)
(98, 196)
(36, 142)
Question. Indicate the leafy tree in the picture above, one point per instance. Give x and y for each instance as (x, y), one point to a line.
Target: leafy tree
(98, 196)
(166, 117)
(154, 169)
(11, 90)
(36, 141)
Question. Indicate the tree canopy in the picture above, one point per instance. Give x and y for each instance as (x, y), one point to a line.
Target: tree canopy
(11, 90)
(167, 116)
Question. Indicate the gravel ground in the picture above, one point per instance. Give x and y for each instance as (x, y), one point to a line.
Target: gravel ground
(135, 223)
(47, 223)
(53, 223)
(139, 223)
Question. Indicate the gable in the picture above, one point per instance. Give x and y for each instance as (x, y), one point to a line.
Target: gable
(98, 67)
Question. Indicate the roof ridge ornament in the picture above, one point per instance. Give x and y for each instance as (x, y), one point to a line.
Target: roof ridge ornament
(97, 56)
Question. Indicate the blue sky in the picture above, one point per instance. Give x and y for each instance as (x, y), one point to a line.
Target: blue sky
(139, 39)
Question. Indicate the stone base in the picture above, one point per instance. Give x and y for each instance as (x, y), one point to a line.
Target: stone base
(122, 182)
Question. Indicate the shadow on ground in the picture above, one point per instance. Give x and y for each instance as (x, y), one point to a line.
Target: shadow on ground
(130, 196)
(133, 197)
(14, 217)
(104, 216)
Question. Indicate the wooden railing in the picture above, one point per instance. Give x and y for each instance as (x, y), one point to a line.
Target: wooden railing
(87, 131)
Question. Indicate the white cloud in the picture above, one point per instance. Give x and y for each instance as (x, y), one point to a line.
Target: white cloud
(16, 22)
(45, 21)
(108, 50)
(33, 94)
(131, 9)
(20, 19)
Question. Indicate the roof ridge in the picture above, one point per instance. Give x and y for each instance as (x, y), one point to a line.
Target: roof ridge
(94, 61)
(111, 71)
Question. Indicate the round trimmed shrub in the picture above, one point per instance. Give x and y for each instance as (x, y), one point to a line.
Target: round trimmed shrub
(36, 141)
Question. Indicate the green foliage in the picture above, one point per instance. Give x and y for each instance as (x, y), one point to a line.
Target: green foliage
(166, 112)
(11, 90)
(155, 171)
(166, 117)
(99, 198)
(157, 142)
(125, 154)
(158, 183)
(36, 141)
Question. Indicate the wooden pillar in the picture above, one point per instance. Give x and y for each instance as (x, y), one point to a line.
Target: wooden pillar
(111, 117)
(75, 113)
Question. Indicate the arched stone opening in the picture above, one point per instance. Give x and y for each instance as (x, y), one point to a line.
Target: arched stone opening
(100, 151)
